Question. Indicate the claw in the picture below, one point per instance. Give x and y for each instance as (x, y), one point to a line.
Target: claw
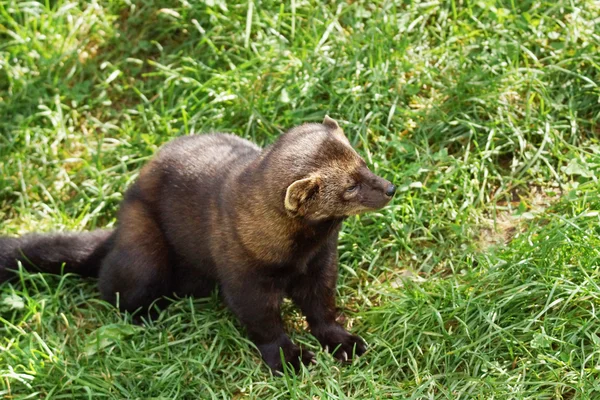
(308, 357)
(344, 356)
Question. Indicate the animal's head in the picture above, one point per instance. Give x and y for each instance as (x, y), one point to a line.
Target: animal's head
(326, 178)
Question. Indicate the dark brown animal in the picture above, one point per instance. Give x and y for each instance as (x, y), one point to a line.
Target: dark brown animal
(216, 210)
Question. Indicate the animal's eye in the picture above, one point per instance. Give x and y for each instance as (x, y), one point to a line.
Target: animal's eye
(352, 188)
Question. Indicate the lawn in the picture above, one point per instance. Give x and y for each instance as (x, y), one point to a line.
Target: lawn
(479, 281)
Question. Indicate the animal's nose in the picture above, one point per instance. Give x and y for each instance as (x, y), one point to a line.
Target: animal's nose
(390, 190)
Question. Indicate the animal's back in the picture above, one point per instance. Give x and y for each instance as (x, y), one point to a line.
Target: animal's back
(208, 157)
(191, 198)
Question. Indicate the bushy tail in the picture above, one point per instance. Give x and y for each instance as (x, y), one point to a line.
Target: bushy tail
(81, 253)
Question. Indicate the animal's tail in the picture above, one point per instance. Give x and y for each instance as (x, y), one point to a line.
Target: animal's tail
(81, 253)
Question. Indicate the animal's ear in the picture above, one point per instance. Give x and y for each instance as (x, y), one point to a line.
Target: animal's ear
(299, 192)
(335, 129)
(330, 123)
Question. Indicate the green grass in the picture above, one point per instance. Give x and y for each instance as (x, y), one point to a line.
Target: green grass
(470, 107)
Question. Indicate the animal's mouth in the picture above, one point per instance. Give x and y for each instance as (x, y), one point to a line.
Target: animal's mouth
(363, 208)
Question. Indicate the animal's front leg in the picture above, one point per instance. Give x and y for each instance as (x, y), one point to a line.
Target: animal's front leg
(314, 293)
(256, 302)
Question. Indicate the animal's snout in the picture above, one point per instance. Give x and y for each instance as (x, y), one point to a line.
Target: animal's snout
(391, 189)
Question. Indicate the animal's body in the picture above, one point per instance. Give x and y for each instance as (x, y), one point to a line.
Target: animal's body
(216, 209)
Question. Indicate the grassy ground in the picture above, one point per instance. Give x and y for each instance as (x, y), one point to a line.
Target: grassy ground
(481, 280)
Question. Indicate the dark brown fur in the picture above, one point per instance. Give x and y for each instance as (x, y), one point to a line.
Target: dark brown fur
(216, 209)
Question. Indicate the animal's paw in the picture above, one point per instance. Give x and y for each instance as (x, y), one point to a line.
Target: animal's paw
(293, 355)
(343, 345)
